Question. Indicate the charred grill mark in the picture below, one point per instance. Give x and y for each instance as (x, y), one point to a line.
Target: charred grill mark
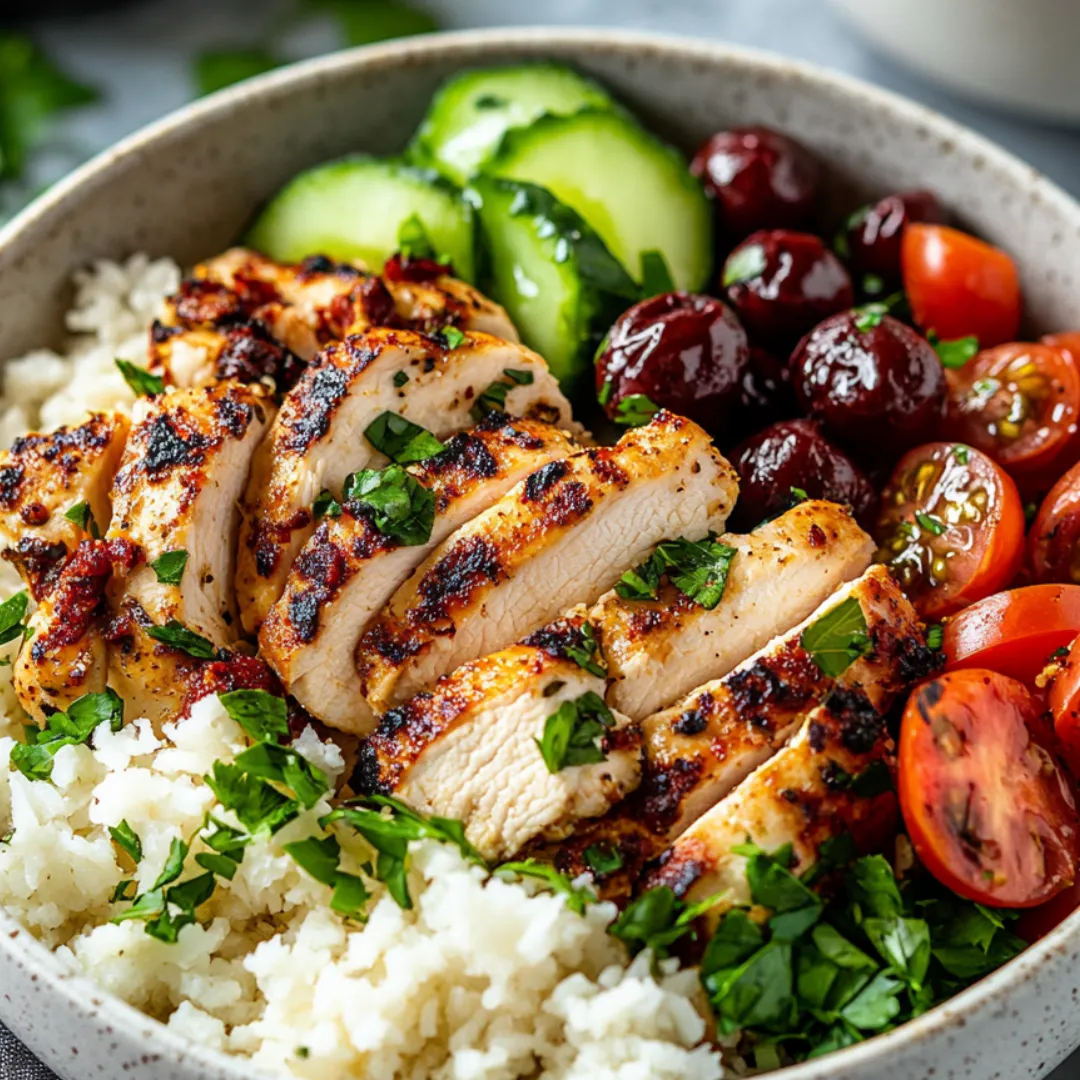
(38, 562)
(76, 598)
(304, 615)
(927, 698)
(570, 503)
(784, 681)
(466, 454)
(817, 736)
(861, 725)
(607, 470)
(558, 638)
(169, 447)
(250, 354)
(543, 480)
(268, 538)
(915, 660)
(315, 266)
(233, 415)
(471, 564)
(207, 303)
(160, 333)
(11, 479)
(67, 447)
(663, 792)
(365, 778)
(679, 869)
(322, 566)
(392, 648)
(694, 721)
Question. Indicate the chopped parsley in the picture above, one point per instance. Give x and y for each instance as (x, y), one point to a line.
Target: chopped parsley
(603, 395)
(413, 241)
(956, 352)
(169, 568)
(226, 848)
(657, 919)
(743, 264)
(450, 337)
(962, 454)
(933, 525)
(325, 505)
(81, 515)
(493, 399)
(127, 840)
(935, 636)
(143, 383)
(656, 278)
(838, 638)
(34, 758)
(587, 654)
(571, 733)
(603, 859)
(320, 858)
(576, 896)
(635, 410)
(13, 617)
(399, 505)
(698, 569)
(401, 378)
(401, 440)
(263, 716)
(176, 635)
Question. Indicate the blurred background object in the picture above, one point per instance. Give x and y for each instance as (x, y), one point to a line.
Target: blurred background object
(1018, 54)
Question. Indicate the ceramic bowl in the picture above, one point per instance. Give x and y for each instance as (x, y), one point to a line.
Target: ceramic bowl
(186, 186)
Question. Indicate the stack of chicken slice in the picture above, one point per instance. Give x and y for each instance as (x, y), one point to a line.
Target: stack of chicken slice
(202, 545)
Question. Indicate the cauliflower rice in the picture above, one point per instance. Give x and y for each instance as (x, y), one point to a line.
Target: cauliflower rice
(483, 978)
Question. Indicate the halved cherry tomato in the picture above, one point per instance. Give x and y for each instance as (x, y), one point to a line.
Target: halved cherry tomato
(988, 810)
(1014, 633)
(958, 285)
(951, 527)
(1020, 404)
(1037, 922)
(1054, 540)
(1065, 705)
(1068, 341)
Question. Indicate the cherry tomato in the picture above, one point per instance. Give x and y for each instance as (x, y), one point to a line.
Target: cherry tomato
(1054, 540)
(1014, 633)
(1037, 922)
(1020, 404)
(958, 285)
(987, 809)
(1065, 706)
(951, 527)
(1068, 342)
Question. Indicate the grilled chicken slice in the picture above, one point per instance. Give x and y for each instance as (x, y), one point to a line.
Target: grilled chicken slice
(700, 749)
(244, 316)
(469, 749)
(181, 478)
(348, 569)
(65, 656)
(318, 436)
(563, 536)
(43, 478)
(658, 650)
(801, 796)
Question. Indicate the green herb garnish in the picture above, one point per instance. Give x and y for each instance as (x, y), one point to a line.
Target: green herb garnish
(81, 515)
(216, 69)
(576, 896)
(698, 569)
(493, 399)
(125, 838)
(450, 337)
(320, 858)
(838, 638)
(413, 241)
(744, 264)
(325, 505)
(656, 278)
(603, 859)
(571, 733)
(169, 568)
(635, 410)
(956, 352)
(933, 525)
(34, 759)
(401, 440)
(401, 378)
(143, 383)
(13, 617)
(399, 505)
(263, 716)
(587, 654)
(176, 635)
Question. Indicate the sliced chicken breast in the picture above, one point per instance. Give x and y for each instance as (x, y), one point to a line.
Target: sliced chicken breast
(802, 796)
(563, 536)
(469, 749)
(65, 655)
(244, 316)
(348, 569)
(318, 436)
(184, 470)
(658, 650)
(43, 478)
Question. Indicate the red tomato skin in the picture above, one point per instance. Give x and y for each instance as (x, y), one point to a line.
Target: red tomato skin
(1013, 633)
(1035, 923)
(1065, 706)
(959, 285)
(1000, 710)
(1055, 530)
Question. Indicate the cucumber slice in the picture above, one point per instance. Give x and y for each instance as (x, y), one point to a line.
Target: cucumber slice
(353, 209)
(552, 273)
(634, 190)
(471, 111)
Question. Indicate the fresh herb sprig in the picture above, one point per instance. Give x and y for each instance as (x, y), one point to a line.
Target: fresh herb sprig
(398, 504)
(34, 758)
(698, 569)
(573, 732)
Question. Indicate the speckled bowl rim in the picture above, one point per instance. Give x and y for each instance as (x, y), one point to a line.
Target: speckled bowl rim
(19, 945)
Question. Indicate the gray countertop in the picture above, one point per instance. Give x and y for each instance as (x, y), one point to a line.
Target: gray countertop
(140, 56)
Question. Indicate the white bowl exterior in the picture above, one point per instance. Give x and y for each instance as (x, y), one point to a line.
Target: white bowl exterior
(186, 187)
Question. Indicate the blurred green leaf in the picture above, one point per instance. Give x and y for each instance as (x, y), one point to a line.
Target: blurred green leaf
(220, 68)
(32, 90)
(364, 22)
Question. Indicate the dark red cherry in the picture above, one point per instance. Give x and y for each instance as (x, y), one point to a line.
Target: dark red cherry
(783, 283)
(794, 454)
(684, 352)
(870, 238)
(759, 179)
(765, 395)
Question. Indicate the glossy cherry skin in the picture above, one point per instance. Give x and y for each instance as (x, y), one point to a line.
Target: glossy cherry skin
(795, 454)
(783, 283)
(876, 385)
(685, 352)
(759, 179)
(765, 395)
(871, 236)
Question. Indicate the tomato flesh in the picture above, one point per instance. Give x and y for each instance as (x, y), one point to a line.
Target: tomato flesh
(1020, 404)
(1065, 706)
(951, 527)
(988, 811)
(1014, 633)
(1054, 540)
(958, 285)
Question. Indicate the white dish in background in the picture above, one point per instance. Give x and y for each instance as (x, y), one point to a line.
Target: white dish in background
(1017, 54)
(186, 187)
